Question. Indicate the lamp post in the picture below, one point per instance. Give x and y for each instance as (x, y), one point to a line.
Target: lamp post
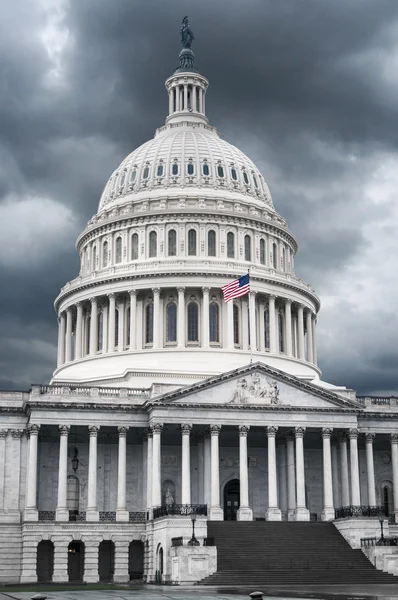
(382, 538)
(193, 541)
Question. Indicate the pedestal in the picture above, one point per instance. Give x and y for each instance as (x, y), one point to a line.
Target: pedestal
(122, 515)
(62, 514)
(327, 514)
(244, 514)
(291, 514)
(216, 513)
(302, 514)
(31, 514)
(92, 515)
(273, 514)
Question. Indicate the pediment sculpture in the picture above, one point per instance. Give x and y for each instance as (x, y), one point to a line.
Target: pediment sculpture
(253, 391)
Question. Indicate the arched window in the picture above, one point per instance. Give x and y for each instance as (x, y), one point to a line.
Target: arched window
(105, 254)
(192, 242)
(206, 170)
(193, 322)
(159, 171)
(214, 322)
(236, 325)
(174, 169)
(220, 171)
(266, 329)
(134, 246)
(245, 178)
(211, 243)
(94, 258)
(153, 244)
(255, 181)
(118, 253)
(274, 256)
(248, 247)
(149, 323)
(234, 174)
(281, 332)
(230, 245)
(172, 243)
(171, 322)
(122, 179)
(262, 251)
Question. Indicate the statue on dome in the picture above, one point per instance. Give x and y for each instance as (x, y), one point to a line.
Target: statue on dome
(187, 36)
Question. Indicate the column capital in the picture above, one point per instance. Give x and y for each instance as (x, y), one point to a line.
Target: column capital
(156, 428)
(122, 431)
(252, 293)
(215, 429)
(205, 290)
(186, 428)
(148, 432)
(3, 434)
(394, 438)
(112, 296)
(93, 430)
(16, 434)
(299, 432)
(243, 430)
(181, 290)
(33, 429)
(272, 430)
(133, 292)
(289, 435)
(156, 290)
(272, 297)
(288, 301)
(79, 304)
(64, 429)
(353, 434)
(327, 432)
(206, 433)
(93, 300)
(370, 437)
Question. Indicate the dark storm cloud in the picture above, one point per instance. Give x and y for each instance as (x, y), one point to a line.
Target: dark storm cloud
(306, 88)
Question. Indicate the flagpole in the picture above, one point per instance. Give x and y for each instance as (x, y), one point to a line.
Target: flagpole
(250, 317)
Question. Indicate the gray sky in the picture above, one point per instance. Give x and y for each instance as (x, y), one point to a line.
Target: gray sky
(307, 88)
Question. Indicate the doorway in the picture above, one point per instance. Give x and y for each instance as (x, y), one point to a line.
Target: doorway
(231, 499)
(76, 561)
(136, 560)
(45, 561)
(106, 561)
(387, 498)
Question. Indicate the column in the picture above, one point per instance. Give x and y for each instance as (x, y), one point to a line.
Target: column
(200, 478)
(61, 339)
(112, 322)
(185, 464)
(93, 327)
(171, 101)
(122, 514)
(252, 325)
(105, 328)
(245, 513)
(31, 513)
(177, 91)
(193, 102)
(79, 330)
(328, 507)
(3, 435)
(310, 350)
(62, 513)
(133, 320)
(345, 487)
(121, 570)
(200, 100)
(92, 513)
(181, 318)
(394, 461)
(261, 328)
(68, 335)
(216, 512)
(335, 476)
(156, 465)
(185, 96)
(272, 324)
(207, 466)
(370, 469)
(291, 478)
(300, 328)
(156, 315)
(354, 464)
(302, 513)
(273, 512)
(314, 350)
(120, 327)
(288, 327)
(229, 334)
(149, 468)
(205, 317)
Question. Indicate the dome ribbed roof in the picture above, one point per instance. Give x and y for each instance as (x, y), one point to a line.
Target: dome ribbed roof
(185, 155)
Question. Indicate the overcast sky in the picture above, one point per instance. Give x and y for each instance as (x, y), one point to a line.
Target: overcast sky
(307, 88)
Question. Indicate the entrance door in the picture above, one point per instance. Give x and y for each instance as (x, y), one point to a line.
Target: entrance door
(45, 561)
(136, 560)
(231, 499)
(106, 560)
(76, 561)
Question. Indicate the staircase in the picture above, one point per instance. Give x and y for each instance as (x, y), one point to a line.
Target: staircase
(261, 553)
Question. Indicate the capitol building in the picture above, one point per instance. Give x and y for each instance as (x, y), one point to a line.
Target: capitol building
(171, 408)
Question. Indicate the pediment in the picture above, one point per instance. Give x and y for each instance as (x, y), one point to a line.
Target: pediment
(258, 386)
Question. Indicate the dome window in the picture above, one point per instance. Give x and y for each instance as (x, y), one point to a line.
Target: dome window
(236, 325)
(211, 243)
(230, 245)
(118, 258)
(133, 175)
(192, 242)
(255, 181)
(274, 258)
(206, 170)
(172, 242)
(174, 169)
(214, 323)
(122, 179)
(146, 173)
(193, 322)
(190, 169)
(220, 171)
(105, 254)
(171, 323)
(234, 174)
(281, 328)
(262, 252)
(266, 329)
(153, 244)
(134, 246)
(159, 171)
(149, 324)
(248, 247)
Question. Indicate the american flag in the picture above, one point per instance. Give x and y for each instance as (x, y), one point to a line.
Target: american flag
(237, 288)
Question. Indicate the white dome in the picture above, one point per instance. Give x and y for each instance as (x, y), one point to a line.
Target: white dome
(185, 155)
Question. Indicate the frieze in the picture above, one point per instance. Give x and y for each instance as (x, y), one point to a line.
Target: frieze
(233, 461)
